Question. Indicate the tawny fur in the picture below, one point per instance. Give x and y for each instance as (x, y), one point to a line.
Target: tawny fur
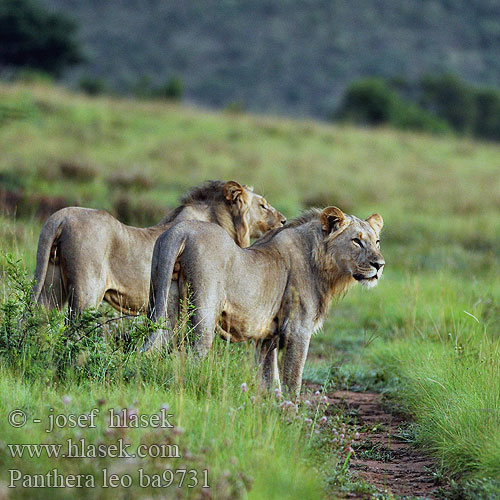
(86, 256)
(276, 292)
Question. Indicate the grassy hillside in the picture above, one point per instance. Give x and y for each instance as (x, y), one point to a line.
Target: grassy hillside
(283, 56)
(430, 330)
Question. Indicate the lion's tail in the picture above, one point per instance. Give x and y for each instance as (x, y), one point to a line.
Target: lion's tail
(51, 230)
(168, 248)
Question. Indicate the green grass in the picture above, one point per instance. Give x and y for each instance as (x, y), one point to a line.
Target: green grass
(414, 335)
(243, 445)
(449, 375)
(251, 445)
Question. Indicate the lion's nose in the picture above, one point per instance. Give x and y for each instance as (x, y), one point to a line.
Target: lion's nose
(377, 264)
(283, 221)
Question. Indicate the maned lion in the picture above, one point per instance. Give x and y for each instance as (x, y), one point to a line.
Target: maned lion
(276, 292)
(86, 256)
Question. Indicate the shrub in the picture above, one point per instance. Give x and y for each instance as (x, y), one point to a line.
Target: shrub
(87, 348)
(373, 102)
(92, 86)
(27, 75)
(18, 107)
(137, 180)
(451, 99)
(487, 124)
(412, 117)
(138, 212)
(173, 89)
(143, 88)
(369, 101)
(235, 107)
(76, 171)
(32, 38)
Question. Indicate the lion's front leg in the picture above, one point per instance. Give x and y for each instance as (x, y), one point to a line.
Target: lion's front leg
(296, 345)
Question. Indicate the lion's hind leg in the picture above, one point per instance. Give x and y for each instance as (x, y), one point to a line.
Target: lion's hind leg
(266, 356)
(53, 294)
(203, 321)
(87, 291)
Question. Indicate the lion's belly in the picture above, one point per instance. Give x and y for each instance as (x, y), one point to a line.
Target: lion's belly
(126, 302)
(128, 292)
(239, 325)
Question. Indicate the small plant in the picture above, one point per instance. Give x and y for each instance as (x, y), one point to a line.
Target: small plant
(76, 171)
(479, 489)
(137, 212)
(33, 341)
(172, 90)
(137, 180)
(374, 451)
(16, 108)
(92, 86)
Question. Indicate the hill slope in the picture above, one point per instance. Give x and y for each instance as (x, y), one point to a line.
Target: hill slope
(284, 56)
(431, 324)
(136, 157)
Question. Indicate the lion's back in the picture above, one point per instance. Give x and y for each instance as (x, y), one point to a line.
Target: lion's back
(207, 235)
(83, 230)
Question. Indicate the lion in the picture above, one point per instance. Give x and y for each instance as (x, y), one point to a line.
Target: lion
(277, 292)
(86, 256)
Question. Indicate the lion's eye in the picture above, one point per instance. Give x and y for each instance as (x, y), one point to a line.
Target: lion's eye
(357, 241)
(263, 206)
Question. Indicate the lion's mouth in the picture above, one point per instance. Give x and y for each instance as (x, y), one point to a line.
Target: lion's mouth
(367, 281)
(362, 277)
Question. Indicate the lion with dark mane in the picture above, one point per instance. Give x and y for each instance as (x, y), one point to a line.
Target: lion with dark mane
(86, 256)
(276, 292)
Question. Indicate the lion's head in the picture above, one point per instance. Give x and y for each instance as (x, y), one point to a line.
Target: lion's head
(354, 244)
(254, 215)
(241, 212)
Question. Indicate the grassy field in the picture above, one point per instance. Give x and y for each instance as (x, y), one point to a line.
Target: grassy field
(429, 334)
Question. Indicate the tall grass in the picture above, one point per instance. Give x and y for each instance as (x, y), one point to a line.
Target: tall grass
(448, 372)
(253, 444)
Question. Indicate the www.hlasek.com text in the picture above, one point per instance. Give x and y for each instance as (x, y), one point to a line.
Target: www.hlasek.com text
(82, 449)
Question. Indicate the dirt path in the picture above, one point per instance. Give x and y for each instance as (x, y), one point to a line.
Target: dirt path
(383, 458)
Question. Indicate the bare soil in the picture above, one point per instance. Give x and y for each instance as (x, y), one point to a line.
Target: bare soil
(383, 457)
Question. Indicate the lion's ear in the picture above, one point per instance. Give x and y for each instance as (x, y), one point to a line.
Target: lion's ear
(376, 222)
(331, 219)
(232, 190)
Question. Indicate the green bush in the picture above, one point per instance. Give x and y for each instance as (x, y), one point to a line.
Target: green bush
(451, 99)
(435, 104)
(487, 124)
(32, 38)
(18, 107)
(33, 76)
(369, 101)
(90, 347)
(173, 89)
(92, 86)
(373, 102)
(409, 116)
